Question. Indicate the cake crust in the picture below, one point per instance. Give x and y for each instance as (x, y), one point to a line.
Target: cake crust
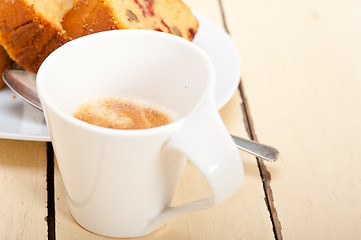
(5, 63)
(90, 16)
(87, 17)
(26, 36)
(29, 38)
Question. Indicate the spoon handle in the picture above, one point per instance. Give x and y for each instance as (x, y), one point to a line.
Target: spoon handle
(258, 149)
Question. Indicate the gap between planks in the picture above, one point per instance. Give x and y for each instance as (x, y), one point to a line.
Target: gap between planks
(265, 174)
(50, 188)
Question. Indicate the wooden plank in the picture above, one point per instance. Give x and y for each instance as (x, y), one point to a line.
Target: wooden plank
(23, 201)
(301, 74)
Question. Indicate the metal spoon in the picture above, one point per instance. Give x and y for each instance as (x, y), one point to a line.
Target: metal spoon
(24, 84)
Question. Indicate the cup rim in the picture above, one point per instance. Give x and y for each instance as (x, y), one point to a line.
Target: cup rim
(45, 100)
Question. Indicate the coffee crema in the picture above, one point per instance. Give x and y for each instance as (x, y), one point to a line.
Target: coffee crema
(122, 113)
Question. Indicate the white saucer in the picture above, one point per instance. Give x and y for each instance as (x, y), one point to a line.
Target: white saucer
(19, 120)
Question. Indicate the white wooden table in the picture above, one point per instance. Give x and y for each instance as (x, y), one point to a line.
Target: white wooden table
(300, 92)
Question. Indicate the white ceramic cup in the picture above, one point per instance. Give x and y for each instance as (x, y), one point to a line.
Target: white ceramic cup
(120, 183)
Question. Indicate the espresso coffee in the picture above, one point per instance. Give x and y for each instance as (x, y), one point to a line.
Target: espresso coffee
(123, 113)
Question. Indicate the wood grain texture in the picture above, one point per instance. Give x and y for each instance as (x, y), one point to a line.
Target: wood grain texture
(23, 201)
(301, 64)
(302, 77)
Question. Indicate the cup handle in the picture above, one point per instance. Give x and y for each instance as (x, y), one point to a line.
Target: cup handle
(205, 141)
